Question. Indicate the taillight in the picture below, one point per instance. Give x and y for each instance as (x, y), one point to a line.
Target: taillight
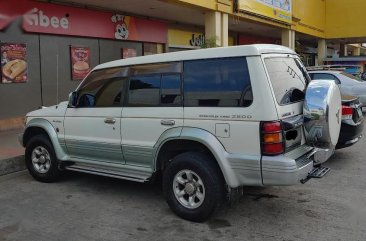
(347, 112)
(272, 142)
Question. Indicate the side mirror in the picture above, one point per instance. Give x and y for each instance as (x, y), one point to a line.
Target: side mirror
(73, 97)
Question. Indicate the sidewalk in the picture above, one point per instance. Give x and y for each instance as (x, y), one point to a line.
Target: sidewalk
(11, 152)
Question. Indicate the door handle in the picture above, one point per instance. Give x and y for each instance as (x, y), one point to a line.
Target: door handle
(167, 122)
(109, 120)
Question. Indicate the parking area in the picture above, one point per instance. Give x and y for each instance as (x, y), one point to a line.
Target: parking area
(86, 207)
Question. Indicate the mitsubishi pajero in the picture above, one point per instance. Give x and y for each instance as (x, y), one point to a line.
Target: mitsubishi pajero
(206, 121)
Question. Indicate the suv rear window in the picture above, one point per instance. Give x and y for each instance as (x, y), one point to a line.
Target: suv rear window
(288, 78)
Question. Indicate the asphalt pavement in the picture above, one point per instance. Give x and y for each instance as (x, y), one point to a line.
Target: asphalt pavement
(86, 207)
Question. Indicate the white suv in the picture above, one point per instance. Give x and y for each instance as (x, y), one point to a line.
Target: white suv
(207, 121)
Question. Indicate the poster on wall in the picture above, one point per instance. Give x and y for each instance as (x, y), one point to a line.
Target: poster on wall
(128, 53)
(80, 62)
(14, 67)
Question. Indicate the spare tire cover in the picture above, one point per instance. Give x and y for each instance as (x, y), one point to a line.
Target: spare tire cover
(322, 114)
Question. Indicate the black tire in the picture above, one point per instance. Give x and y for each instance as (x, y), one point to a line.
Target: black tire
(212, 179)
(35, 144)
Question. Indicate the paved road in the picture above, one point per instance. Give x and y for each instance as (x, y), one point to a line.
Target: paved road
(85, 207)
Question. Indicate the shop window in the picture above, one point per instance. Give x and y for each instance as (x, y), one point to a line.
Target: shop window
(152, 48)
(221, 82)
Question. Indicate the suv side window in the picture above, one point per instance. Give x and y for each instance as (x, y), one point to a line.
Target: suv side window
(325, 76)
(144, 90)
(222, 82)
(103, 88)
(155, 90)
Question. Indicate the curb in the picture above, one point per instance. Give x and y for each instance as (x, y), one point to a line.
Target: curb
(10, 165)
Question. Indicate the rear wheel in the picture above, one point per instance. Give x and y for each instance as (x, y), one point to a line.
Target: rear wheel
(193, 186)
(41, 160)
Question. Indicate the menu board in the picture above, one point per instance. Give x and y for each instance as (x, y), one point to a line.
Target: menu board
(80, 62)
(14, 67)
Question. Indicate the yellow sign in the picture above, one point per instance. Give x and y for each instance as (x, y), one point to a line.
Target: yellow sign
(280, 10)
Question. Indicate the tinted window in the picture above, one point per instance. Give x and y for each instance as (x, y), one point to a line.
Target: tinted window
(144, 90)
(171, 90)
(102, 88)
(155, 90)
(287, 76)
(217, 82)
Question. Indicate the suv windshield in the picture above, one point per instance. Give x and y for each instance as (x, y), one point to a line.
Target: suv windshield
(288, 77)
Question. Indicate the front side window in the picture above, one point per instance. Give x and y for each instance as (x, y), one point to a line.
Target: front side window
(102, 88)
(222, 82)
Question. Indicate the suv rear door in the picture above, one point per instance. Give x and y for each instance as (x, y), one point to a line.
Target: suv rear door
(288, 79)
(153, 107)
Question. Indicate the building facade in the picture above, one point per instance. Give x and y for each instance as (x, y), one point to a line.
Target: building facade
(52, 45)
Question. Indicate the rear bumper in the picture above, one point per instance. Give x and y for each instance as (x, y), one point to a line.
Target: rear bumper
(282, 170)
(349, 135)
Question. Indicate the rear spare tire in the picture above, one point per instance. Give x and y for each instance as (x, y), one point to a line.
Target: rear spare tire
(322, 114)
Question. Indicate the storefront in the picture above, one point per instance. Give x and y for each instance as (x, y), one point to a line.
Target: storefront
(52, 47)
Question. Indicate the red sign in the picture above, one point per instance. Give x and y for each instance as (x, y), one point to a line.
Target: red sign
(13, 64)
(80, 62)
(58, 19)
(8, 11)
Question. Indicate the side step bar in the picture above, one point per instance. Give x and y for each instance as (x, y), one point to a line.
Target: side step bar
(317, 172)
(103, 172)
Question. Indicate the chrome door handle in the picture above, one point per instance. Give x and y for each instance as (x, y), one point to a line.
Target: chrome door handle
(109, 120)
(167, 122)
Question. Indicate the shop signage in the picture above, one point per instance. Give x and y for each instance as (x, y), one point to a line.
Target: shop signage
(64, 20)
(80, 62)
(10, 10)
(280, 10)
(197, 40)
(14, 67)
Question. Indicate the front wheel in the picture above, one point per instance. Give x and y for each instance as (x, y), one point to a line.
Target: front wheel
(40, 159)
(193, 186)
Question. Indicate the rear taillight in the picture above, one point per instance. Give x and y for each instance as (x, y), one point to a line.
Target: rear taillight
(272, 142)
(347, 112)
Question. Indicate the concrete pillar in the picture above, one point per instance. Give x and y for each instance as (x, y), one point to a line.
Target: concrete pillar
(213, 26)
(288, 38)
(322, 51)
(356, 51)
(224, 30)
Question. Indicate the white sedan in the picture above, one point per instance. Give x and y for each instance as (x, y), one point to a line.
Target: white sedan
(348, 84)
